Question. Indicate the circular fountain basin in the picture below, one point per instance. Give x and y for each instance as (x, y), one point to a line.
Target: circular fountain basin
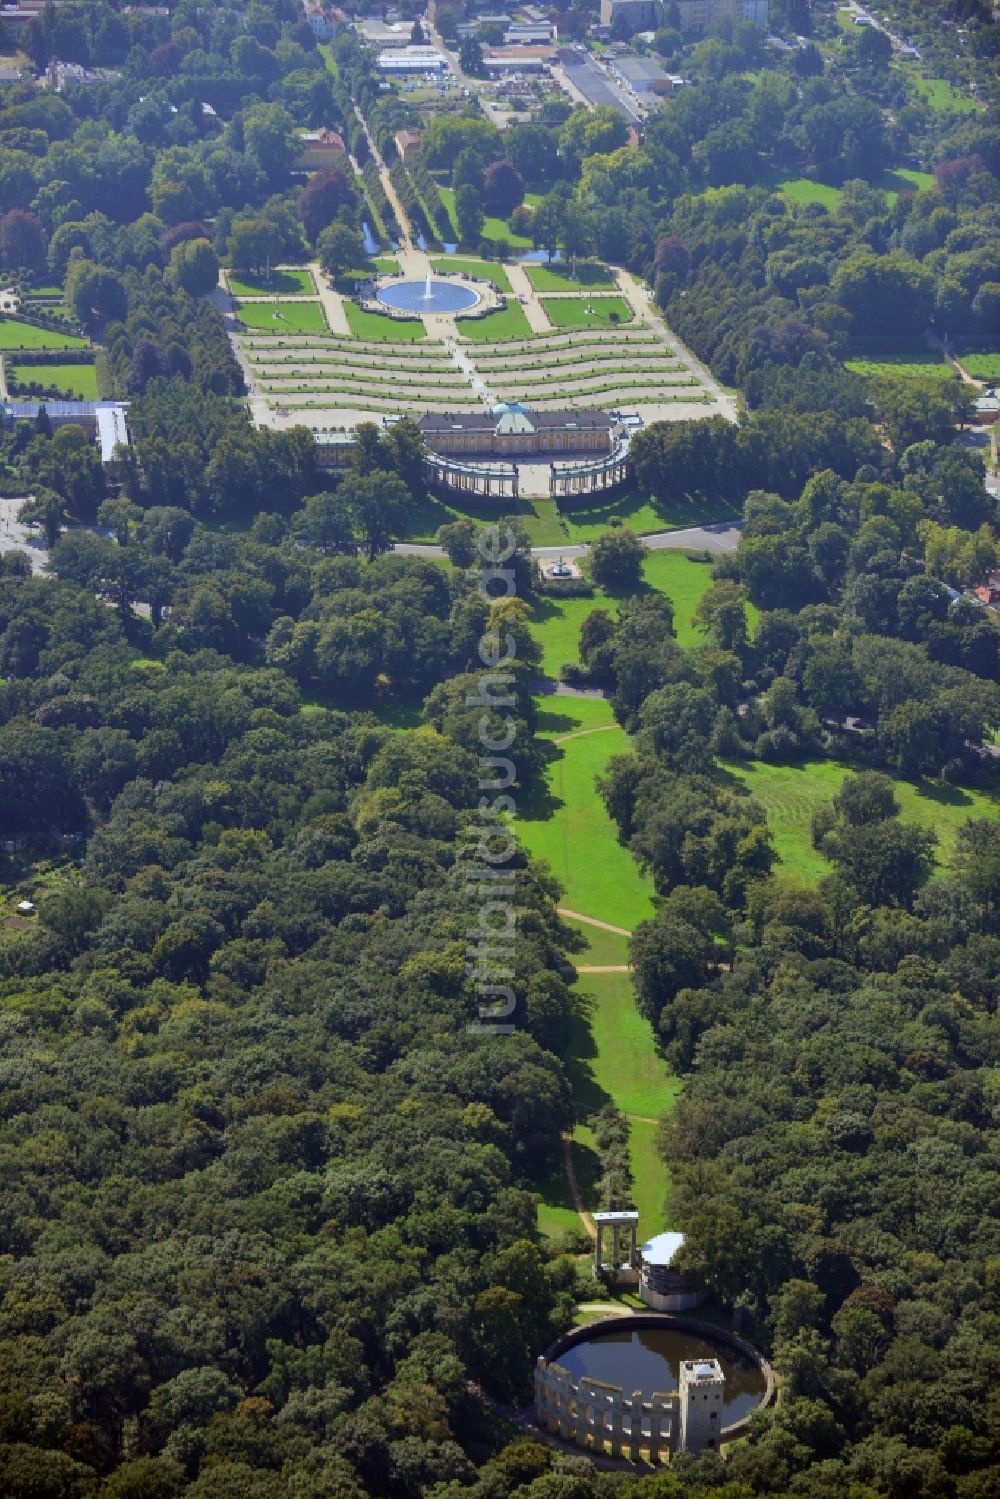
(648, 1358)
(412, 296)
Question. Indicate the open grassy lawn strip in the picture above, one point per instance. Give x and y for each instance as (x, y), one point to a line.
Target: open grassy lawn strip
(790, 793)
(17, 335)
(557, 628)
(476, 270)
(72, 380)
(538, 516)
(493, 228)
(982, 366)
(557, 277)
(283, 317)
(495, 326)
(568, 826)
(650, 1181)
(296, 283)
(377, 329)
(586, 312)
(810, 190)
(892, 365)
(639, 511)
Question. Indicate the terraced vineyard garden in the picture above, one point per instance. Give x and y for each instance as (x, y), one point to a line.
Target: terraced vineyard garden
(326, 358)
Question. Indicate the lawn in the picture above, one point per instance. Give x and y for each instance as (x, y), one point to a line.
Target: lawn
(17, 335)
(809, 190)
(893, 365)
(639, 511)
(493, 228)
(554, 278)
(627, 1065)
(557, 627)
(790, 793)
(283, 317)
(378, 329)
(611, 1055)
(651, 1184)
(538, 516)
(496, 326)
(383, 265)
(279, 284)
(79, 380)
(683, 581)
(584, 312)
(44, 291)
(902, 179)
(476, 270)
(939, 93)
(982, 366)
(568, 826)
(674, 573)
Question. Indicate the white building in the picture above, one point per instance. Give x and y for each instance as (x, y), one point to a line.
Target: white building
(661, 1285)
(411, 60)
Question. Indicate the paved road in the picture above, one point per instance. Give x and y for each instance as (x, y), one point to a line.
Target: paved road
(719, 536)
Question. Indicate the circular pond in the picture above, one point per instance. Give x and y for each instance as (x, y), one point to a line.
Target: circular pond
(649, 1359)
(428, 296)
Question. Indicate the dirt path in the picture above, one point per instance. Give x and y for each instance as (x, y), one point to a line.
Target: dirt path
(585, 1218)
(604, 926)
(604, 728)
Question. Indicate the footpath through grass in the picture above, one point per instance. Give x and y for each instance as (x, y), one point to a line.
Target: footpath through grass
(568, 826)
(982, 366)
(611, 1056)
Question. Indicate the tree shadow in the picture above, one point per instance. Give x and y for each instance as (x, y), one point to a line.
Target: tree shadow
(943, 795)
(551, 722)
(581, 1051)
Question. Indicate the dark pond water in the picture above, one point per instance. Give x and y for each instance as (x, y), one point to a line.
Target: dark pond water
(649, 1359)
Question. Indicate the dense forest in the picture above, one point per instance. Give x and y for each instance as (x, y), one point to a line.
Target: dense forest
(269, 1219)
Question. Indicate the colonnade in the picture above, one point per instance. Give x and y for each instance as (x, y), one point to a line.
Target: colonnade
(617, 1222)
(493, 481)
(602, 1419)
(590, 478)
